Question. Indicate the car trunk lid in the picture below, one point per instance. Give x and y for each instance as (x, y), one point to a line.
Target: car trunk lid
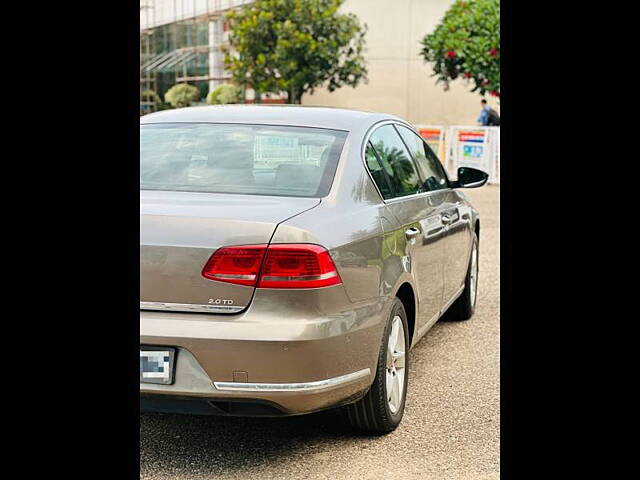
(179, 231)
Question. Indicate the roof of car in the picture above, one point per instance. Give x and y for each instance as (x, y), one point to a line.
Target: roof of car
(325, 117)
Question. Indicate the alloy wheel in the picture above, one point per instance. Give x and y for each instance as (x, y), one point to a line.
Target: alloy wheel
(396, 361)
(473, 280)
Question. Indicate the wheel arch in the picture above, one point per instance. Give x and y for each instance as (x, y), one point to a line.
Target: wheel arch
(406, 294)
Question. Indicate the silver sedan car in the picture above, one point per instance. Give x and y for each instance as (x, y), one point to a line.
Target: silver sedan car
(290, 257)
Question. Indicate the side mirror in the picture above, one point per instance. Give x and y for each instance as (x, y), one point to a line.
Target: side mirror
(470, 178)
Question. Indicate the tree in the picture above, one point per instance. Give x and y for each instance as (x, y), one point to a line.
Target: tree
(224, 94)
(467, 44)
(182, 95)
(295, 46)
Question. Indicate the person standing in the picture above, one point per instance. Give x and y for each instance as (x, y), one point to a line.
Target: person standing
(488, 116)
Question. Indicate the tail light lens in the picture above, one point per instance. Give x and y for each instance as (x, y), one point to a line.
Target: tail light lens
(285, 266)
(239, 265)
(298, 266)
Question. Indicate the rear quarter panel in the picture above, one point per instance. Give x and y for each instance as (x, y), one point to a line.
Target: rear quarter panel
(349, 223)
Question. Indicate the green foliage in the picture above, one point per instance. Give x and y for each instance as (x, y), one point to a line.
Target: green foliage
(182, 95)
(295, 46)
(467, 44)
(224, 94)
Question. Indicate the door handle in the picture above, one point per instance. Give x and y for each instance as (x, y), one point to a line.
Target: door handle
(411, 233)
(445, 219)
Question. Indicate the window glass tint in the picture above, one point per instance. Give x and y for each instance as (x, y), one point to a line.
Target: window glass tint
(430, 167)
(378, 174)
(248, 159)
(396, 161)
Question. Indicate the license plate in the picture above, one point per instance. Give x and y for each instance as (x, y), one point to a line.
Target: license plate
(156, 365)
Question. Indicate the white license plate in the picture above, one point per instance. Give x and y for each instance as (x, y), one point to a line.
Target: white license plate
(156, 365)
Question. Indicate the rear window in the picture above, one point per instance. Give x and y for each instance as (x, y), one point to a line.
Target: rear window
(246, 159)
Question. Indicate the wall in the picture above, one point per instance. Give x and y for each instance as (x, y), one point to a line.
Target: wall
(399, 80)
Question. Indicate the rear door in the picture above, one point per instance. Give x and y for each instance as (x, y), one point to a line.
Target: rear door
(455, 216)
(419, 230)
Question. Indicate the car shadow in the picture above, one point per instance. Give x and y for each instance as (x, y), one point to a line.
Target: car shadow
(185, 444)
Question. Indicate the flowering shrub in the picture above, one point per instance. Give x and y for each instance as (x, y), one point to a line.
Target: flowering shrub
(467, 44)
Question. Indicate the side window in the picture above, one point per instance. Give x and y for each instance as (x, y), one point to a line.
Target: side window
(429, 165)
(378, 174)
(395, 161)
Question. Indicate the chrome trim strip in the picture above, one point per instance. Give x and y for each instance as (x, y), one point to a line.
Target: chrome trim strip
(189, 307)
(302, 278)
(418, 195)
(294, 387)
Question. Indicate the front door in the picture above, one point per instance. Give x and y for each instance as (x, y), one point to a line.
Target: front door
(457, 217)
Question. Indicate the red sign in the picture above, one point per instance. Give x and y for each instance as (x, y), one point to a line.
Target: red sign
(477, 136)
(430, 133)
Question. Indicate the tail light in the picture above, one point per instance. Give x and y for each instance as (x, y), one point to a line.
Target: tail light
(240, 265)
(298, 266)
(274, 266)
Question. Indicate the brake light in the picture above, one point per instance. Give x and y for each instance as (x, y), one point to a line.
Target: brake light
(298, 266)
(239, 265)
(285, 266)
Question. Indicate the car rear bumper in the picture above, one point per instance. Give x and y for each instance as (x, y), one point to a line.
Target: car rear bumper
(291, 356)
(258, 399)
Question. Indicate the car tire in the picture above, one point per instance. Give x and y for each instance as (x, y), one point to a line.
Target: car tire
(464, 307)
(380, 411)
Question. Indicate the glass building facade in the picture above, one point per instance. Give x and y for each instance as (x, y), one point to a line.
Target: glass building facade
(181, 42)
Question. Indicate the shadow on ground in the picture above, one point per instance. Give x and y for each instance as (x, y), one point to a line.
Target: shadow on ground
(226, 444)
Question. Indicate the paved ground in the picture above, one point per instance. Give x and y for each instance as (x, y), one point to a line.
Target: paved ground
(450, 429)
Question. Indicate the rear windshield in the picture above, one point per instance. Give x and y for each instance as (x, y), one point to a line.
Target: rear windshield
(247, 159)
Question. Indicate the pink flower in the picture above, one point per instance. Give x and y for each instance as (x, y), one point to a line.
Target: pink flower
(493, 52)
(451, 54)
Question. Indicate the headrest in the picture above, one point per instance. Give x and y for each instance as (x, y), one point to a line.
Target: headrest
(296, 175)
